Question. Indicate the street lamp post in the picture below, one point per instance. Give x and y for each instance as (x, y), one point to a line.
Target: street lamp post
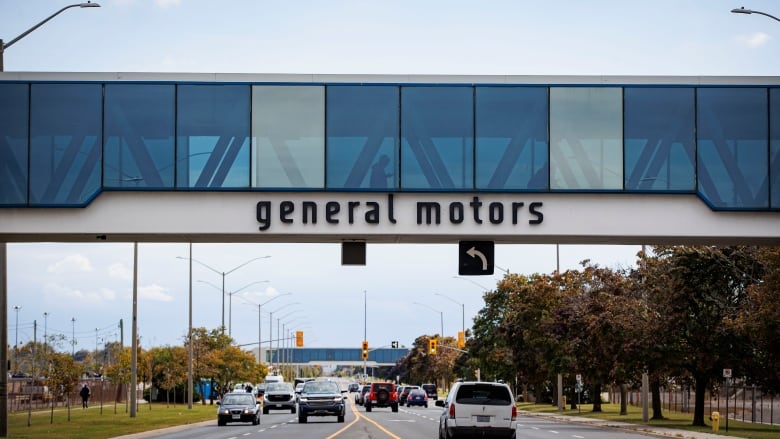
(441, 313)
(45, 336)
(230, 304)
(223, 274)
(17, 308)
(260, 326)
(462, 309)
(271, 324)
(73, 338)
(4, 46)
(742, 10)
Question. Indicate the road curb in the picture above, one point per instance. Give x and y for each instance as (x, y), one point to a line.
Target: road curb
(159, 431)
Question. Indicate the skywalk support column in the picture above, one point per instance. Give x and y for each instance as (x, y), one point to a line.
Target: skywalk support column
(3, 340)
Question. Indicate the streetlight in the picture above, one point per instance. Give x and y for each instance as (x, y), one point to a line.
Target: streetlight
(473, 282)
(271, 324)
(17, 308)
(73, 338)
(230, 300)
(462, 308)
(45, 336)
(223, 274)
(4, 46)
(260, 326)
(742, 10)
(436, 310)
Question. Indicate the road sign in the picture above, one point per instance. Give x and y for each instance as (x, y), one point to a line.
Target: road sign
(475, 258)
(726, 373)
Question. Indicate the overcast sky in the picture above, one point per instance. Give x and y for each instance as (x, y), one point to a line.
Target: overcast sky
(93, 282)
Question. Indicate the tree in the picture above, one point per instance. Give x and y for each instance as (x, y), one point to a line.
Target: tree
(697, 291)
(63, 377)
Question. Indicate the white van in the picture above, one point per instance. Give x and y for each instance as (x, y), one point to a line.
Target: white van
(274, 379)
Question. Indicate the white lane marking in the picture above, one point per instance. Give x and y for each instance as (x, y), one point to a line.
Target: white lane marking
(578, 437)
(246, 434)
(554, 432)
(534, 428)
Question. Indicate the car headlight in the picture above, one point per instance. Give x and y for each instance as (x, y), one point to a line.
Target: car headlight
(303, 399)
(337, 399)
(224, 412)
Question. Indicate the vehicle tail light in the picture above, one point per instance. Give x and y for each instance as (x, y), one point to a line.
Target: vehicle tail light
(514, 412)
(452, 410)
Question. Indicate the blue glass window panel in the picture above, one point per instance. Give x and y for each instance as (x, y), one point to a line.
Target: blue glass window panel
(733, 147)
(139, 148)
(660, 139)
(65, 143)
(586, 138)
(511, 138)
(288, 129)
(14, 105)
(212, 139)
(437, 138)
(362, 123)
(774, 146)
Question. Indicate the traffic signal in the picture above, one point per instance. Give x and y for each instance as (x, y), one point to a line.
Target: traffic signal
(432, 346)
(461, 340)
(299, 339)
(364, 350)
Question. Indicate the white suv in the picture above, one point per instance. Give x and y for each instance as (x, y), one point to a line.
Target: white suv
(478, 409)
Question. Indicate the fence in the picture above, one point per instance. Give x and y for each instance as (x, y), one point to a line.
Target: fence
(23, 396)
(743, 403)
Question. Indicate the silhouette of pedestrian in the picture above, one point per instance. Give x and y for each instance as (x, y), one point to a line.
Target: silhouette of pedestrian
(84, 396)
(379, 175)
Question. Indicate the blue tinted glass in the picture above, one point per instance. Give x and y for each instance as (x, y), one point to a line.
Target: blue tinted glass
(733, 147)
(139, 129)
(511, 138)
(212, 141)
(437, 133)
(13, 144)
(362, 126)
(65, 143)
(774, 155)
(660, 143)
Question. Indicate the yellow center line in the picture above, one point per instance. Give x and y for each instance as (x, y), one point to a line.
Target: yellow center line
(359, 416)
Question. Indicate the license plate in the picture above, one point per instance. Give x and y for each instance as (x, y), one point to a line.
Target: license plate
(481, 418)
(278, 405)
(236, 416)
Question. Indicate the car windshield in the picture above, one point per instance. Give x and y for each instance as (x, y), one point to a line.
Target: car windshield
(320, 387)
(483, 394)
(277, 387)
(238, 400)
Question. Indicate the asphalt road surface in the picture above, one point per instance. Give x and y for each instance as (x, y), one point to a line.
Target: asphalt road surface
(381, 423)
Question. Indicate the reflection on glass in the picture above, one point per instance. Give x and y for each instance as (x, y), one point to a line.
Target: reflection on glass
(511, 138)
(732, 133)
(774, 155)
(586, 138)
(14, 108)
(212, 142)
(660, 143)
(139, 128)
(65, 143)
(362, 126)
(437, 132)
(288, 128)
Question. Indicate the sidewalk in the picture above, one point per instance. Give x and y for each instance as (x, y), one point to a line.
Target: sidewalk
(635, 428)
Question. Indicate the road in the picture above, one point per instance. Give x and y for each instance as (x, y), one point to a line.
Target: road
(381, 423)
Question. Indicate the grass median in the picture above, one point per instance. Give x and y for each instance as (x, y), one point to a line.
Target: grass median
(92, 424)
(674, 420)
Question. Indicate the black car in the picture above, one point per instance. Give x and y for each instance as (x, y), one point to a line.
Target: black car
(353, 387)
(238, 407)
(431, 390)
(321, 398)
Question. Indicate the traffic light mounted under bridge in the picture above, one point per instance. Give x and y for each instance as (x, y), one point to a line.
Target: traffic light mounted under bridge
(364, 350)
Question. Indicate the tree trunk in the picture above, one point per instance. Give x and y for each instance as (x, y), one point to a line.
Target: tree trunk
(597, 397)
(537, 393)
(698, 410)
(623, 399)
(655, 387)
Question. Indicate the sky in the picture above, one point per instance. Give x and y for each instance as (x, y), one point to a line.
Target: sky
(404, 290)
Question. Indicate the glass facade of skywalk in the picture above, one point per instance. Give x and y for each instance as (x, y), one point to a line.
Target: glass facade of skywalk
(64, 142)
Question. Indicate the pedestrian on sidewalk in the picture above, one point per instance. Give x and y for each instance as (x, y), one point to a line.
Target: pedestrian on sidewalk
(84, 396)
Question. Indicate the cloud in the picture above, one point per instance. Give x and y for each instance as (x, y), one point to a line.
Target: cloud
(55, 292)
(167, 3)
(155, 292)
(120, 271)
(754, 40)
(75, 262)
